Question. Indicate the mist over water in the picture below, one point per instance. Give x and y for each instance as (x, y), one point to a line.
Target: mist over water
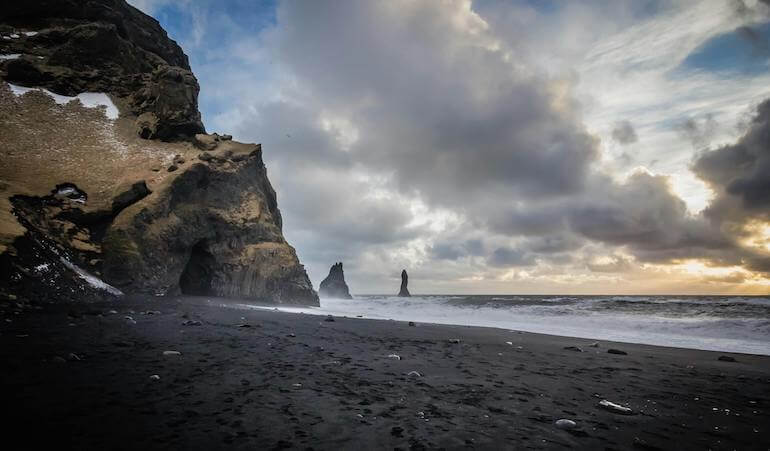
(717, 323)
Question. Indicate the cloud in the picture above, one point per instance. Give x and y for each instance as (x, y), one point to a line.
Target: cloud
(738, 173)
(507, 257)
(624, 133)
(699, 132)
(437, 136)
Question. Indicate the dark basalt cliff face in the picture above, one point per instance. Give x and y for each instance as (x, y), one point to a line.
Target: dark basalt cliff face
(145, 203)
(334, 286)
(104, 46)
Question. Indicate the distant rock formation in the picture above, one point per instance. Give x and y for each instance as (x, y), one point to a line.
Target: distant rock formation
(334, 286)
(146, 200)
(404, 292)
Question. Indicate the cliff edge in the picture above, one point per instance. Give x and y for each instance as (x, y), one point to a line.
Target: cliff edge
(109, 182)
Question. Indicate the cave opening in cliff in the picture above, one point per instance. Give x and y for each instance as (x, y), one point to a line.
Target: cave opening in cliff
(196, 277)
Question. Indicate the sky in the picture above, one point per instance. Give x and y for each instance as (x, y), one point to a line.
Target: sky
(517, 147)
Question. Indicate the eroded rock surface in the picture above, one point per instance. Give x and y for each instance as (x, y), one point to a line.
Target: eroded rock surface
(87, 198)
(75, 46)
(334, 286)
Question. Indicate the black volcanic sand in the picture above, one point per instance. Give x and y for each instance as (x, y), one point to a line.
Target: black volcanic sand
(78, 377)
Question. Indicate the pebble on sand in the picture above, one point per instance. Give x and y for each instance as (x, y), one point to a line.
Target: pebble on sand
(616, 351)
(172, 353)
(726, 358)
(154, 377)
(454, 340)
(329, 319)
(564, 423)
(509, 343)
(411, 323)
(617, 408)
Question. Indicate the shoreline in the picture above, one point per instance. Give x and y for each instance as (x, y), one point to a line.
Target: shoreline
(78, 377)
(715, 344)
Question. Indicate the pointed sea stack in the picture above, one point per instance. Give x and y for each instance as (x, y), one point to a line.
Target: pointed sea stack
(334, 286)
(404, 292)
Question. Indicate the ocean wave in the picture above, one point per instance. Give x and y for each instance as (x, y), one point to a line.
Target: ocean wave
(719, 324)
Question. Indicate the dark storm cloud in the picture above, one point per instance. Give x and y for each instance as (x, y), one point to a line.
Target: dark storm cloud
(740, 173)
(507, 257)
(439, 106)
(452, 250)
(624, 133)
(646, 217)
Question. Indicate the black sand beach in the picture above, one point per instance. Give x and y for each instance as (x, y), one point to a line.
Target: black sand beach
(79, 377)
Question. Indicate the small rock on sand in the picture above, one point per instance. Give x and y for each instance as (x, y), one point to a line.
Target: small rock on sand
(411, 323)
(565, 424)
(616, 408)
(154, 377)
(509, 343)
(616, 351)
(172, 353)
(454, 340)
(414, 374)
(573, 348)
(726, 358)
(329, 319)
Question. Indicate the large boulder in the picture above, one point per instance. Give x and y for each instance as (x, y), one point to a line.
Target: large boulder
(334, 286)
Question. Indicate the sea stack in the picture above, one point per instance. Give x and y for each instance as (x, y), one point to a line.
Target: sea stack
(334, 286)
(404, 292)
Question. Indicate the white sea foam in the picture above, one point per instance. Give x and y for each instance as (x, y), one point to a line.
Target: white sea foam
(88, 99)
(717, 324)
(91, 279)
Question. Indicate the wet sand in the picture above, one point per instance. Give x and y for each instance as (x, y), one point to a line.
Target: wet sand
(77, 376)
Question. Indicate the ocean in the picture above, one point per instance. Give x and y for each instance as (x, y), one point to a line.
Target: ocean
(716, 323)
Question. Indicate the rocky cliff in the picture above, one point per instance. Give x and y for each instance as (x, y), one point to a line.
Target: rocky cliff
(334, 286)
(130, 196)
